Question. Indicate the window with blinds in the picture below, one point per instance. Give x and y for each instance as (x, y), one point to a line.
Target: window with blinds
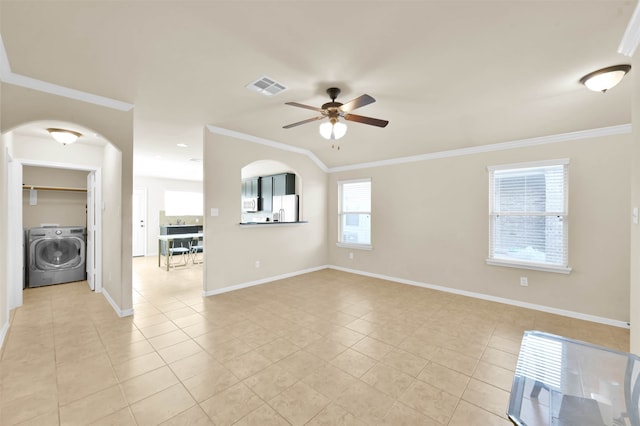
(354, 213)
(528, 210)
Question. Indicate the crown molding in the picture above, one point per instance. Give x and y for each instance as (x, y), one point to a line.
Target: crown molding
(4, 62)
(631, 36)
(269, 143)
(621, 129)
(8, 77)
(523, 143)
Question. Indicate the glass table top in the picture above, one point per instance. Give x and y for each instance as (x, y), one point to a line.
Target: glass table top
(564, 382)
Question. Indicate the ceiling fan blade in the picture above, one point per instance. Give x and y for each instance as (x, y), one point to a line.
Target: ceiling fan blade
(296, 104)
(309, 120)
(358, 102)
(366, 120)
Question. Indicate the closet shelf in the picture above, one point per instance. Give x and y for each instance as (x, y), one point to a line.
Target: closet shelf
(53, 188)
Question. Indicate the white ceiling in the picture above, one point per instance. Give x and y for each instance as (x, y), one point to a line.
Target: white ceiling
(446, 74)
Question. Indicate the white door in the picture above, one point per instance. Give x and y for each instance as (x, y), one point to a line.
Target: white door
(15, 235)
(91, 230)
(139, 222)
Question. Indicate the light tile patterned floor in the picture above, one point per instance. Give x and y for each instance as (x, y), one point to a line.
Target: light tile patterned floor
(326, 348)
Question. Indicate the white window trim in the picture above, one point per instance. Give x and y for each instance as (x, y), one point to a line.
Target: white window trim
(523, 264)
(532, 266)
(367, 247)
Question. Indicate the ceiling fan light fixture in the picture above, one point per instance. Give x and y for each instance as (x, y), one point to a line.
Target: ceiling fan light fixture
(605, 78)
(63, 136)
(333, 130)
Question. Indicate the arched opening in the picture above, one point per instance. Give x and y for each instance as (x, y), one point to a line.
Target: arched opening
(271, 191)
(59, 188)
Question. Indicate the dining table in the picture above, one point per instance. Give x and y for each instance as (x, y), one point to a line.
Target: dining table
(566, 382)
(172, 237)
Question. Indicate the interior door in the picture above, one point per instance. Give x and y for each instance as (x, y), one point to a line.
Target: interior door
(139, 222)
(91, 230)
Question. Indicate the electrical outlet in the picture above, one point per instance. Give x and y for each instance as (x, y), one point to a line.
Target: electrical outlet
(524, 281)
(257, 263)
(350, 255)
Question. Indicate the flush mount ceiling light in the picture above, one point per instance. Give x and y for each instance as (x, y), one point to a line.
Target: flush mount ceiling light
(182, 145)
(65, 137)
(606, 78)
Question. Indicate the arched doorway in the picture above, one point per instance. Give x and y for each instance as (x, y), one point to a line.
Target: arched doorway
(31, 146)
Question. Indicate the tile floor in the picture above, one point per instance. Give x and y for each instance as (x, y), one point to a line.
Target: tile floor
(326, 348)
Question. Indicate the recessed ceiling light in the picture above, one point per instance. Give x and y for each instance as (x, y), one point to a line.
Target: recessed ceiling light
(196, 160)
(182, 145)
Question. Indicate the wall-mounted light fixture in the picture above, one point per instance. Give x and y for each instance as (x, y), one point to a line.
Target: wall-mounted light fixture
(65, 137)
(606, 78)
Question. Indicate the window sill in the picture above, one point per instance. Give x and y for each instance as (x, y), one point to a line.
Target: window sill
(267, 224)
(368, 247)
(532, 266)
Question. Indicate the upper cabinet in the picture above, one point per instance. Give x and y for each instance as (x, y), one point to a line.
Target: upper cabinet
(284, 184)
(274, 186)
(266, 193)
(251, 187)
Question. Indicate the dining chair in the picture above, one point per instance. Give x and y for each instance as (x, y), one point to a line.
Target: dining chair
(179, 247)
(196, 248)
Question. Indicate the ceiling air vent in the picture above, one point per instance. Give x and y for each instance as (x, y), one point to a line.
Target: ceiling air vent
(267, 86)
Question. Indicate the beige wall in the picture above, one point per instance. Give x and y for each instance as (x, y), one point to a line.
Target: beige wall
(112, 218)
(20, 106)
(430, 224)
(42, 151)
(4, 314)
(635, 202)
(64, 208)
(231, 249)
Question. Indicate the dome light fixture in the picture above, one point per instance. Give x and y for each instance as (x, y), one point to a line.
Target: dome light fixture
(605, 78)
(333, 129)
(65, 137)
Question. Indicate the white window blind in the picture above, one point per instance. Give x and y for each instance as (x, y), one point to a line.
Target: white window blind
(182, 203)
(528, 209)
(354, 211)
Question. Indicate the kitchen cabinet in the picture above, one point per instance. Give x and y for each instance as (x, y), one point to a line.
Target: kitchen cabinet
(284, 184)
(275, 186)
(251, 188)
(266, 192)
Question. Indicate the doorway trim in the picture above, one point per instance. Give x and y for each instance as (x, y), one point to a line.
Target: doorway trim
(142, 194)
(97, 206)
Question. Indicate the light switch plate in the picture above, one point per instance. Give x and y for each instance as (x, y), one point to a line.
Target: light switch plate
(214, 212)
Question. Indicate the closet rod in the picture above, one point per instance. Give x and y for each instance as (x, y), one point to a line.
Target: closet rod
(53, 188)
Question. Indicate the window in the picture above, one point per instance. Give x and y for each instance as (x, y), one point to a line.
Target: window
(354, 213)
(179, 203)
(528, 216)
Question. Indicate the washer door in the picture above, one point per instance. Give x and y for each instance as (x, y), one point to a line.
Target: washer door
(57, 253)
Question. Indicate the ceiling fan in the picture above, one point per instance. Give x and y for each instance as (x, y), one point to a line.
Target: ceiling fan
(334, 129)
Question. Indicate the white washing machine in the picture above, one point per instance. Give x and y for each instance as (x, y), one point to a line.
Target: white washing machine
(56, 255)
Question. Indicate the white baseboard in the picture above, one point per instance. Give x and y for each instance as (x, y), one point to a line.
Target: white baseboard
(542, 308)
(3, 334)
(262, 281)
(121, 313)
